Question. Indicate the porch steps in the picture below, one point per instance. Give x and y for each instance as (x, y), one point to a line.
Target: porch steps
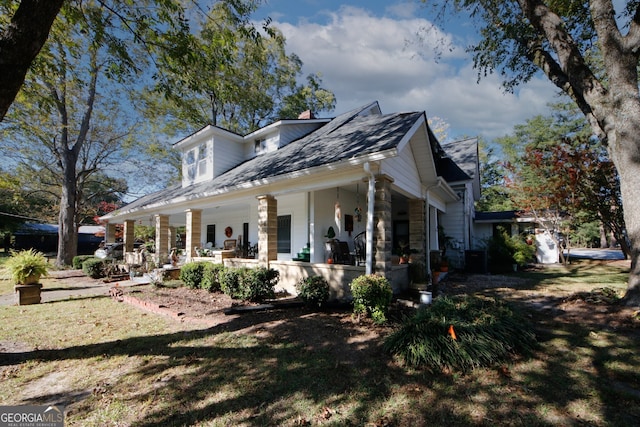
(303, 255)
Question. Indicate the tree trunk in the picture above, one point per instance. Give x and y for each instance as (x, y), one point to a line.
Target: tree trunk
(20, 43)
(624, 149)
(67, 226)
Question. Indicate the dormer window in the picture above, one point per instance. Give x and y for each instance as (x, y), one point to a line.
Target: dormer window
(196, 161)
(260, 145)
(191, 167)
(202, 159)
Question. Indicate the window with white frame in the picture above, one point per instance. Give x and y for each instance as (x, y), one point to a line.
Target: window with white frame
(202, 159)
(260, 145)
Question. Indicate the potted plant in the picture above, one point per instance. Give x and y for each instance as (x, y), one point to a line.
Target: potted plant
(26, 268)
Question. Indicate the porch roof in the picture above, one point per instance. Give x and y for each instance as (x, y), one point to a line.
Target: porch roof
(349, 138)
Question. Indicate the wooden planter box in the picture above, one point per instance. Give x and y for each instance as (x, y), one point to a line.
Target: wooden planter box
(28, 294)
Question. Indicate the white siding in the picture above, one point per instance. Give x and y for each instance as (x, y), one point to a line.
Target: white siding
(226, 155)
(296, 206)
(404, 172)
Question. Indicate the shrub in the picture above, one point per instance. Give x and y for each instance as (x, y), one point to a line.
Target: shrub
(77, 261)
(372, 295)
(461, 333)
(211, 277)
(505, 250)
(250, 284)
(94, 268)
(259, 283)
(230, 282)
(313, 290)
(191, 274)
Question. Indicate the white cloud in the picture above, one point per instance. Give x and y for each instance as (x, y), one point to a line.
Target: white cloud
(363, 58)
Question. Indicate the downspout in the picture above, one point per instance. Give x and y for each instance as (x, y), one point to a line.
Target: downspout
(370, 206)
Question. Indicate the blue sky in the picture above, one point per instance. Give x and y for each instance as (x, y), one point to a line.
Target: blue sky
(368, 50)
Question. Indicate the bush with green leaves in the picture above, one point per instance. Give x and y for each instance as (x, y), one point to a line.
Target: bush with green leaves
(191, 274)
(249, 284)
(313, 290)
(94, 268)
(372, 295)
(211, 277)
(505, 250)
(230, 282)
(462, 333)
(259, 283)
(77, 261)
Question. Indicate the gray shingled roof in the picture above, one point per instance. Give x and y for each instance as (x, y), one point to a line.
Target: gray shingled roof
(464, 154)
(348, 136)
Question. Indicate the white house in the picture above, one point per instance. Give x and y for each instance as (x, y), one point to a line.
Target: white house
(378, 180)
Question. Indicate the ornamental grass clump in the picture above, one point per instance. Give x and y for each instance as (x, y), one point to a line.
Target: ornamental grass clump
(372, 296)
(462, 333)
(313, 291)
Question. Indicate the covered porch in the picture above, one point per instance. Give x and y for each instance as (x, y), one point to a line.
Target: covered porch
(274, 229)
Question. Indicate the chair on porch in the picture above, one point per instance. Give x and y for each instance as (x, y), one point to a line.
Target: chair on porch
(340, 253)
(360, 244)
(230, 244)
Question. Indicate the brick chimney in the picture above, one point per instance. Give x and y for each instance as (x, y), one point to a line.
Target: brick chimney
(306, 115)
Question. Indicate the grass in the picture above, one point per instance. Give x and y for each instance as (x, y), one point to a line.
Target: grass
(113, 365)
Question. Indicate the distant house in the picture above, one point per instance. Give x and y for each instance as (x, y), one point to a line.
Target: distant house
(380, 182)
(44, 237)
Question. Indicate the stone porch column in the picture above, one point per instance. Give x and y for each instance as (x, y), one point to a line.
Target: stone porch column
(162, 239)
(109, 233)
(128, 235)
(172, 237)
(267, 229)
(194, 230)
(382, 226)
(418, 237)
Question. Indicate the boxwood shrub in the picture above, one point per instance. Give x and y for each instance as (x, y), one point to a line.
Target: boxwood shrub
(211, 277)
(313, 290)
(94, 268)
(249, 284)
(372, 296)
(77, 261)
(191, 274)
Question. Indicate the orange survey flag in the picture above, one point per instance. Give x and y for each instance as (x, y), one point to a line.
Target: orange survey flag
(452, 332)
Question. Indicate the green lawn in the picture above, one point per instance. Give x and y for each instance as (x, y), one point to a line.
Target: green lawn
(118, 365)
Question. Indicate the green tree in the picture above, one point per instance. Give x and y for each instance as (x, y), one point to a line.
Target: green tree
(64, 128)
(590, 52)
(21, 38)
(158, 27)
(234, 80)
(493, 181)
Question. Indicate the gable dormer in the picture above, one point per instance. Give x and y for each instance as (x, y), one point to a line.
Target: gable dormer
(212, 151)
(208, 153)
(277, 135)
